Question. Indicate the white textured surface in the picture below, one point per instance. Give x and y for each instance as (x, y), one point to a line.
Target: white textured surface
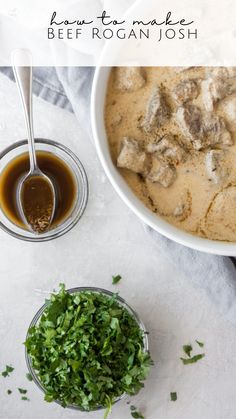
(109, 240)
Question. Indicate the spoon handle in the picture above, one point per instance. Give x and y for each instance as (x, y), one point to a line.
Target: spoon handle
(22, 68)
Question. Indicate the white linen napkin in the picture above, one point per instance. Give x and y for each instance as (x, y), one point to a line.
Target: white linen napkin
(215, 275)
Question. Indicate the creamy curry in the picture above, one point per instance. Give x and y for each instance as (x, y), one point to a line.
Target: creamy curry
(172, 133)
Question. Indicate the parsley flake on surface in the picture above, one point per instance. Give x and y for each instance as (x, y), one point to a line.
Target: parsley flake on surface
(135, 413)
(22, 390)
(201, 344)
(29, 376)
(116, 279)
(7, 371)
(192, 360)
(25, 398)
(187, 349)
(9, 391)
(173, 396)
(87, 350)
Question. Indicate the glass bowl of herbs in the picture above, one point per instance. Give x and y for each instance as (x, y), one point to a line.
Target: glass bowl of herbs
(86, 348)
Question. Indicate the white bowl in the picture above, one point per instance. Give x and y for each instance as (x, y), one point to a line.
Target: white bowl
(147, 216)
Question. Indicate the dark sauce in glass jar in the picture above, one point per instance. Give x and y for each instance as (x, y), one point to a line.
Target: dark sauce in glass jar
(55, 168)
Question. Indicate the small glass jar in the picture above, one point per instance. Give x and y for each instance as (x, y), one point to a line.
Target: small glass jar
(120, 301)
(80, 201)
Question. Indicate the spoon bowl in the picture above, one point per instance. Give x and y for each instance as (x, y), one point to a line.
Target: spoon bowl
(25, 189)
(36, 194)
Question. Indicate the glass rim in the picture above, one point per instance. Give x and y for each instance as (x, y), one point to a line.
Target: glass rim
(84, 199)
(74, 290)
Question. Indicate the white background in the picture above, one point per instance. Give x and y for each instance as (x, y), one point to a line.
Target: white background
(22, 25)
(109, 240)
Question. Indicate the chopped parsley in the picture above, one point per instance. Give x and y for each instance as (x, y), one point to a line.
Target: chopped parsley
(116, 279)
(25, 398)
(108, 409)
(135, 413)
(187, 349)
(29, 376)
(7, 371)
(192, 360)
(87, 350)
(22, 390)
(201, 344)
(173, 396)
(9, 391)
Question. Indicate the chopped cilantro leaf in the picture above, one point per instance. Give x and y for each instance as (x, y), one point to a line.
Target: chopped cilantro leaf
(29, 376)
(116, 279)
(22, 390)
(107, 412)
(108, 409)
(25, 398)
(201, 344)
(135, 413)
(87, 350)
(173, 396)
(9, 391)
(7, 371)
(192, 360)
(187, 349)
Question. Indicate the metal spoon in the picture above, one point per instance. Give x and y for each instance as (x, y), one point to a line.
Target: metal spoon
(35, 186)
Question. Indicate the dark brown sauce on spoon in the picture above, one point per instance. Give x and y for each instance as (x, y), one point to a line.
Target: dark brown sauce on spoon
(55, 168)
(37, 201)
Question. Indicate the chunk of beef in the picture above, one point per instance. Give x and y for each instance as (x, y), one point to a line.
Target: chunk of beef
(132, 156)
(202, 130)
(190, 121)
(221, 72)
(207, 97)
(215, 131)
(129, 79)
(158, 111)
(167, 148)
(214, 90)
(185, 91)
(217, 86)
(228, 108)
(162, 173)
(216, 165)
